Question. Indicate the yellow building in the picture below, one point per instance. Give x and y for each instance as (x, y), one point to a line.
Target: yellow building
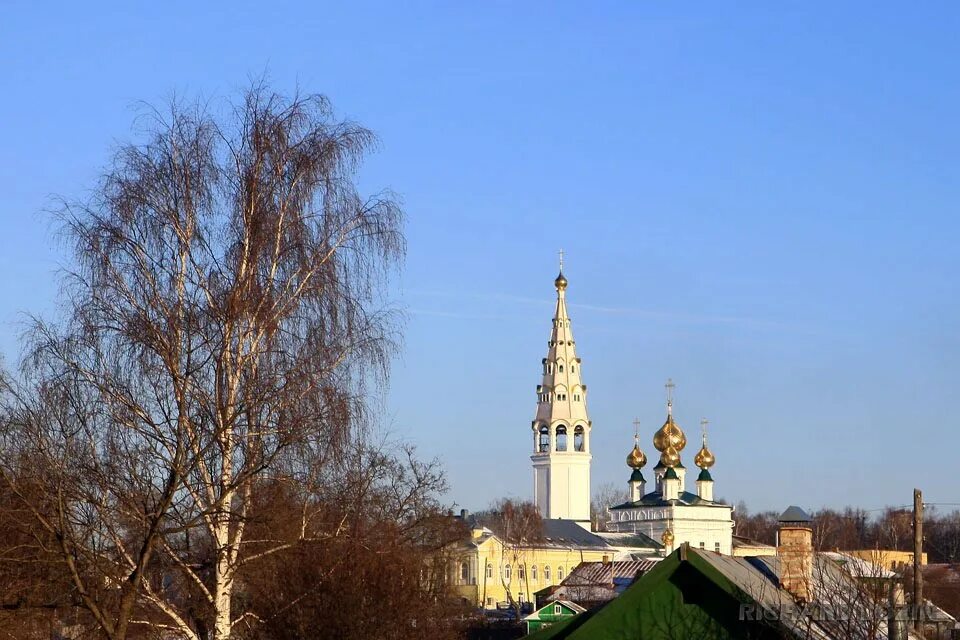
(485, 568)
(887, 558)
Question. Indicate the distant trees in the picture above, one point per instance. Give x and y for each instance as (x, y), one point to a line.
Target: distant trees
(222, 324)
(854, 528)
(605, 496)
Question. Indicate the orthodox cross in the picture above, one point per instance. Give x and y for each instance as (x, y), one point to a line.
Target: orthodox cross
(561, 260)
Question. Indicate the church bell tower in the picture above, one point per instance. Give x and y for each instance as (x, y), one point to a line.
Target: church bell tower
(561, 429)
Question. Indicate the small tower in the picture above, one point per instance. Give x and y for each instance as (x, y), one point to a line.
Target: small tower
(667, 539)
(561, 429)
(704, 459)
(669, 440)
(635, 460)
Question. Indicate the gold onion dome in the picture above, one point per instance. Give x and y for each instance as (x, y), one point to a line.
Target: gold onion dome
(636, 458)
(561, 282)
(667, 538)
(704, 458)
(669, 457)
(669, 435)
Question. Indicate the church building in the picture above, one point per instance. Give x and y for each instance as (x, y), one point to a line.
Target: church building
(666, 511)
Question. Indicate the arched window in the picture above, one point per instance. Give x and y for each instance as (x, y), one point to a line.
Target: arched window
(533, 573)
(573, 368)
(559, 574)
(464, 573)
(489, 570)
(506, 573)
(546, 574)
(561, 438)
(578, 442)
(559, 368)
(521, 573)
(544, 439)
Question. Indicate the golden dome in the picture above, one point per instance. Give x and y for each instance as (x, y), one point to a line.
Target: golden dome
(669, 435)
(636, 458)
(561, 282)
(704, 458)
(669, 457)
(667, 538)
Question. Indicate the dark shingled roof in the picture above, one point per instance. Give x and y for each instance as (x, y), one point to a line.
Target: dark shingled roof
(794, 514)
(567, 533)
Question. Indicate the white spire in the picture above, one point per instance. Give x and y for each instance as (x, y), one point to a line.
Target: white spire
(562, 395)
(561, 426)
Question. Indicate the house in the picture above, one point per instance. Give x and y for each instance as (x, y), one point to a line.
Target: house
(489, 570)
(552, 613)
(743, 546)
(698, 593)
(888, 558)
(595, 583)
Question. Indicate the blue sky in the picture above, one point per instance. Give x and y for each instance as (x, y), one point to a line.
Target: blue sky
(759, 202)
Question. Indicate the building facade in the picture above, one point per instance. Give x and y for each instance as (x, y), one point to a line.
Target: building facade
(488, 571)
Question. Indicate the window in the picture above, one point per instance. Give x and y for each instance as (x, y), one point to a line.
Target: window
(716, 547)
(560, 574)
(702, 544)
(506, 573)
(533, 573)
(464, 572)
(573, 368)
(521, 573)
(561, 438)
(490, 571)
(546, 574)
(559, 368)
(578, 442)
(557, 609)
(544, 439)
(489, 602)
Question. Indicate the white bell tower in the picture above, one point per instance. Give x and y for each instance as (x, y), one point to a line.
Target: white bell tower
(561, 429)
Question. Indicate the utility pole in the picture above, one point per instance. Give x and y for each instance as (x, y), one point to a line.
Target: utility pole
(917, 557)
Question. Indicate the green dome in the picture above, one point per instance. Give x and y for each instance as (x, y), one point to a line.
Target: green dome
(671, 474)
(636, 476)
(705, 475)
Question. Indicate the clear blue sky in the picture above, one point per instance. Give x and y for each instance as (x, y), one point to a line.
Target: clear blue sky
(760, 202)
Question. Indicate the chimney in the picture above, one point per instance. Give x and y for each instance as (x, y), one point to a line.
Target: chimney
(795, 550)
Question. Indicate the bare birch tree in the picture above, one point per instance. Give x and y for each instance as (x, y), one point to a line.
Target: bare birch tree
(222, 321)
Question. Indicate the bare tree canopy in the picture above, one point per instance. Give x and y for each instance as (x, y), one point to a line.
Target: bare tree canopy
(222, 323)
